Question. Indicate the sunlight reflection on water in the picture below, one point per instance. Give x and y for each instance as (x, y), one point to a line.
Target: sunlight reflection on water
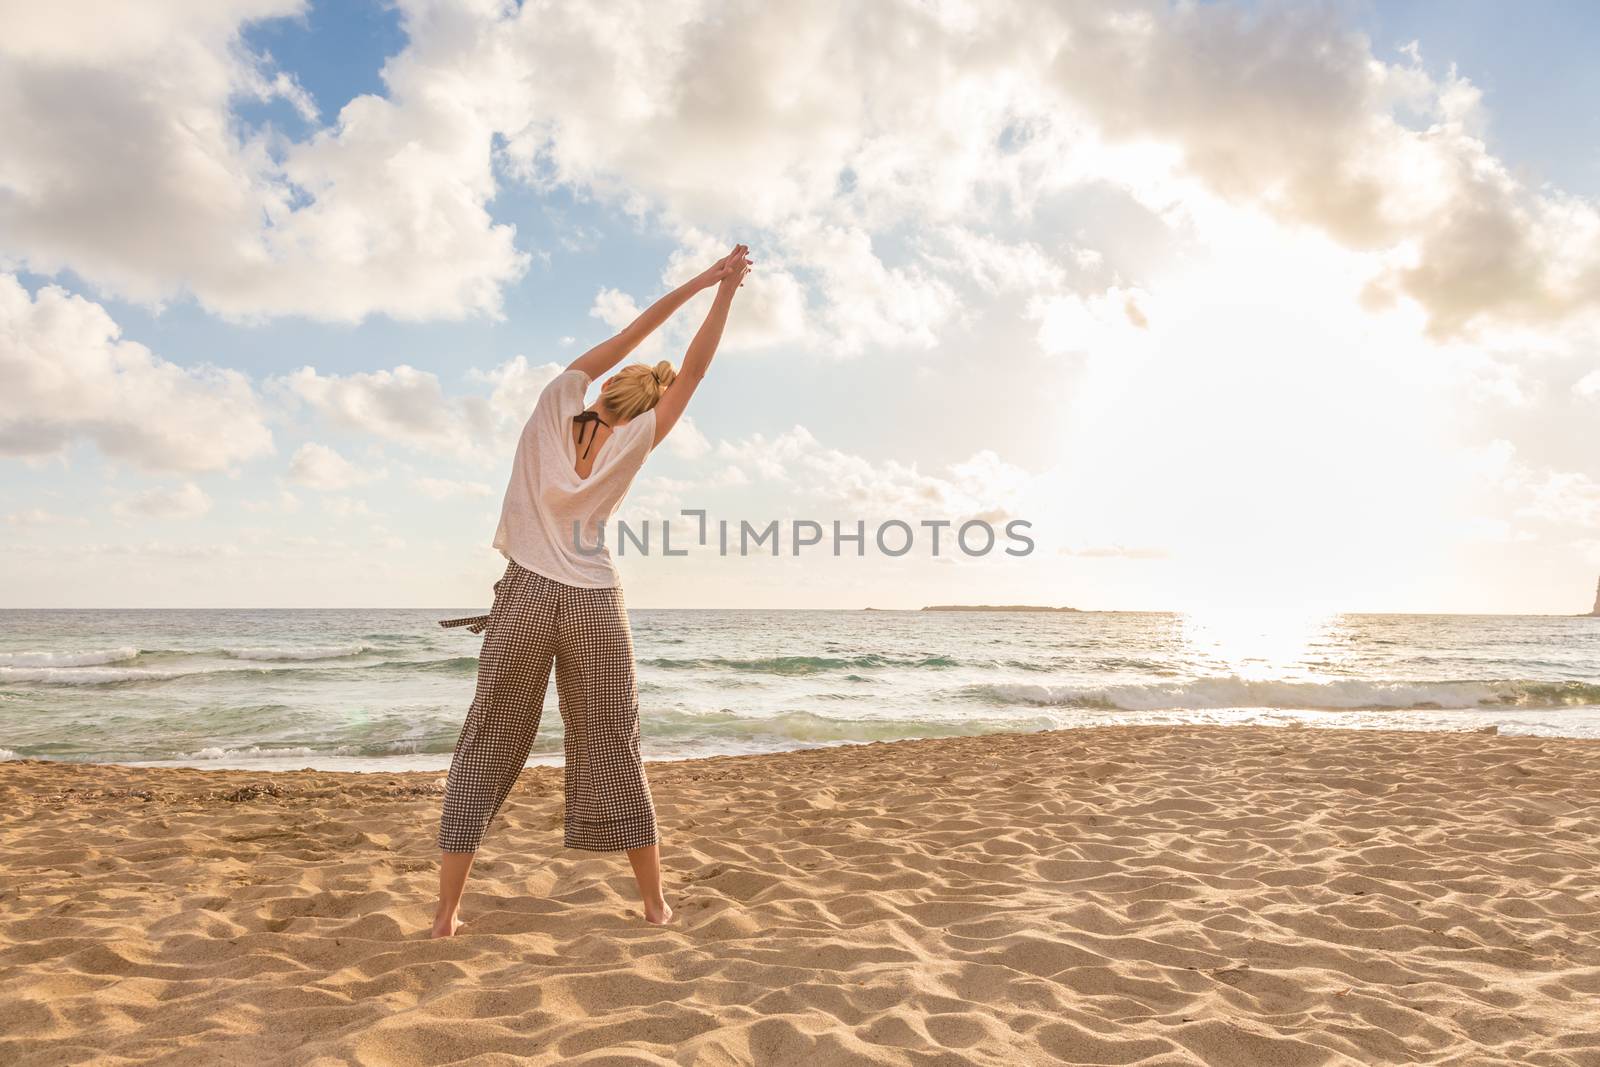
(1254, 644)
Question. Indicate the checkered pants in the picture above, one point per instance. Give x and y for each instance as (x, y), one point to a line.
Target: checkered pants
(535, 619)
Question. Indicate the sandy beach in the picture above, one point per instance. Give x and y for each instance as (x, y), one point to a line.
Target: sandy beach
(1135, 895)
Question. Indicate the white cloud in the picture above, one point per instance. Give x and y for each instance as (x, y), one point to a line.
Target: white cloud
(865, 303)
(446, 488)
(686, 441)
(940, 113)
(1588, 385)
(186, 501)
(403, 404)
(122, 550)
(410, 406)
(730, 476)
(996, 266)
(41, 517)
(982, 485)
(142, 182)
(1568, 498)
(319, 467)
(345, 507)
(950, 116)
(930, 116)
(70, 377)
(1286, 107)
(912, 101)
(285, 502)
(516, 387)
(384, 211)
(1110, 321)
(770, 312)
(616, 309)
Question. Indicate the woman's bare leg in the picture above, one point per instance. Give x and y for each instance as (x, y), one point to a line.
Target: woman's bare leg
(647, 871)
(453, 870)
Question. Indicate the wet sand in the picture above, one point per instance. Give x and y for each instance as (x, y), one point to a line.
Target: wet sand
(1129, 895)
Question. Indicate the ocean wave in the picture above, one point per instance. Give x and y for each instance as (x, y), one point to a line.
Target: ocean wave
(465, 665)
(792, 665)
(6, 753)
(805, 726)
(134, 675)
(1343, 694)
(669, 728)
(90, 658)
(120, 675)
(87, 675)
(155, 665)
(412, 746)
(258, 752)
(308, 652)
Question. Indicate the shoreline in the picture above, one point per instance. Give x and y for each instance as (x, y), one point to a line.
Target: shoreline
(1223, 895)
(1319, 719)
(546, 764)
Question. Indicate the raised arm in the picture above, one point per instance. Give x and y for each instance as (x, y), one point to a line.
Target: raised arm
(732, 270)
(608, 353)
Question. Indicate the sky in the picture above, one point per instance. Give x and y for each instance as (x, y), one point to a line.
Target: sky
(1243, 306)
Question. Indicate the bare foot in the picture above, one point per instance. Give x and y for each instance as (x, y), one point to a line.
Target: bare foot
(450, 929)
(658, 914)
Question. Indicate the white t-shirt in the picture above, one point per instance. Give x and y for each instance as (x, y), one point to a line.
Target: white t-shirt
(546, 495)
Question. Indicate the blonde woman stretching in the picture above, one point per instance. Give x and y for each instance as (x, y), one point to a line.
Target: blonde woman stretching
(561, 600)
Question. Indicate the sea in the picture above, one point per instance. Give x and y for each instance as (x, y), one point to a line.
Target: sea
(386, 690)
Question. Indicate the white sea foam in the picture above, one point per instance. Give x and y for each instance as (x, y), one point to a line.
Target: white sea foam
(94, 673)
(402, 747)
(257, 752)
(308, 652)
(112, 675)
(90, 658)
(86, 675)
(1235, 692)
(6, 753)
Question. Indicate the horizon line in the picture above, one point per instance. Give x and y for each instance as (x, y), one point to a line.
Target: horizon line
(973, 609)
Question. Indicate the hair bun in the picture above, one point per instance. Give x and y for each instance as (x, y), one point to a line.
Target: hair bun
(637, 388)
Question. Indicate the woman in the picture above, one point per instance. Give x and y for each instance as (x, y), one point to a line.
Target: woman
(561, 600)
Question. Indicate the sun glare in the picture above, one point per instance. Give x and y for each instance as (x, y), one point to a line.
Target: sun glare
(1254, 643)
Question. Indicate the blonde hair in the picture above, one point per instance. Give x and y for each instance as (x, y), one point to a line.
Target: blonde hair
(637, 388)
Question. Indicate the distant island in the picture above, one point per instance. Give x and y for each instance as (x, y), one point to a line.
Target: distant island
(992, 607)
